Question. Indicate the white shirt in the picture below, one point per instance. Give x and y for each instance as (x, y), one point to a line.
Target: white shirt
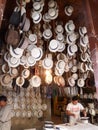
(6, 113)
(75, 109)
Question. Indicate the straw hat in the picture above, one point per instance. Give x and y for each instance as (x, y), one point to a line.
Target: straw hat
(13, 62)
(25, 73)
(71, 38)
(36, 16)
(71, 49)
(35, 81)
(74, 69)
(13, 72)
(47, 63)
(69, 26)
(20, 81)
(60, 37)
(61, 47)
(82, 30)
(37, 6)
(62, 56)
(5, 68)
(59, 29)
(31, 61)
(71, 81)
(84, 41)
(52, 4)
(75, 76)
(47, 34)
(69, 10)
(60, 65)
(37, 53)
(53, 45)
(81, 82)
(46, 17)
(53, 13)
(32, 38)
(84, 56)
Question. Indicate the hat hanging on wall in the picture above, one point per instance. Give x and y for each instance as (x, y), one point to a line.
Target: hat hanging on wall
(71, 38)
(84, 41)
(70, 26)
(82, 31)
(69, 10)
(35, 81)
(81, 82)
(71, 81)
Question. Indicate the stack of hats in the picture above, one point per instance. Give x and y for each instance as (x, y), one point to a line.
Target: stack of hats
(48, 125)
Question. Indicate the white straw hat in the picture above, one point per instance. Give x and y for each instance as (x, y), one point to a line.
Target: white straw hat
(37, 6)
(37, 53)
(53, 13)
(47, 34)
(60, 37)
(71, 81)
(20, 81)
(69, 10)
(47, 63)
(71, 38)
(5, 68)
(60, 65)
(52, 4)
(59, 29)
(35, 81)
(81, 82)
(25, 73)
(53, 45)
(70, 26)
(82, 30)
(36, 16)
(31, 61)
(32, 38)
(84, 41)
(13, 72)
(46, 17)
(71, 49)
(61, 47)
(13, 62)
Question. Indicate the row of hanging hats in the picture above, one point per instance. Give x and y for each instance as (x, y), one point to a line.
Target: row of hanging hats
(27, 53)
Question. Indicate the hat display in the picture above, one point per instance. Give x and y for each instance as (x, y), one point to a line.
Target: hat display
(69, 10)
(37, 53)
(82, 31)
(81, 82)
(53, 45)
(35, 81)
(84, 41)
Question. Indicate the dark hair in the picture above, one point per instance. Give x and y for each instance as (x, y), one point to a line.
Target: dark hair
(74, 98)
(3, 98)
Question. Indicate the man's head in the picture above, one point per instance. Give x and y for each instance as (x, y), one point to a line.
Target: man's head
(3, 100)
(75, 100)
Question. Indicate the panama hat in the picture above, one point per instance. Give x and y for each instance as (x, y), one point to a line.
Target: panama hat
(60, 37)
(71, 81)
(32, 38)
(61, 47)
(35, 81)
(71, 49)
(13, 62)
(23, 43)
(62, 56)
(81, 82)
(60, 64)
(47, 63)
(82, 30)
(6, 80)
(83, 67)
(84, 41)
(6, 56)
(46, 17)
(37, 53)
(36, 16)
(13, 72)
(25, 73)
(59, 72)
(71, 38)
(74, 68)
(47, 34)
(84, 56)
(31, 61)
(69, 26)
(66, 69)
(75, 76)
(53, 45)
(69, 10)
(20, 81)
(59, 29)
(53, 13)
(5, 68)
(52, 4)
(17, 52)
(61, 81)
(37, 6)
(23, 60)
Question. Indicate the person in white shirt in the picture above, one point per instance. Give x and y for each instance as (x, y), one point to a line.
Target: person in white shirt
(6, 113)
(73, 110)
